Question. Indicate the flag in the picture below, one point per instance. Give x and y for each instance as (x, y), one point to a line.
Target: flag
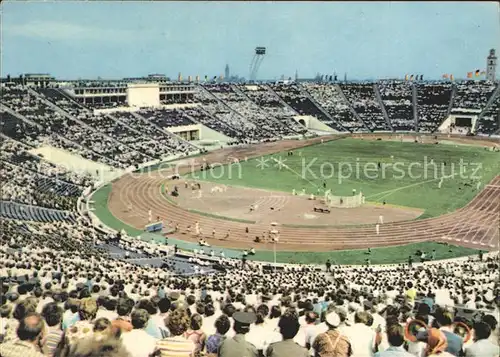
(406, 77)
(445, 76)
(469, 74)
(478, 72)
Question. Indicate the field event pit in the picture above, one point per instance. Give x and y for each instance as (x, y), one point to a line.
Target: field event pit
(271, 206)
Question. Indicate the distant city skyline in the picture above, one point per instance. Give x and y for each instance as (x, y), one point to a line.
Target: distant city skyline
(132, 39)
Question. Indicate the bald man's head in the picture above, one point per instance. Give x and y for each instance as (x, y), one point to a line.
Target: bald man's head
(30, 327)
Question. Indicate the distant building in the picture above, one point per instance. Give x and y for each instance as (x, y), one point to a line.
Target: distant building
(491, 66)
(227, 74)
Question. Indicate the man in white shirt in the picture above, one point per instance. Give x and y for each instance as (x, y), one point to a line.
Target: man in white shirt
(361, 336)
(308, 333)
(138, 342)
(482, 346)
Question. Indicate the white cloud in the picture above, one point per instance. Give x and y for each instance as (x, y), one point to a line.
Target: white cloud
(51, 30)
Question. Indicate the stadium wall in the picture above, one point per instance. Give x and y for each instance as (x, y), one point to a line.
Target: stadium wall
(313, 123)
(143, 95)
(204, 132)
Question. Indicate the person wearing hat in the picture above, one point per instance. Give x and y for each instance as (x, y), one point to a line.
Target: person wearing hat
(238, 346)
(289, 326)
(332, 342)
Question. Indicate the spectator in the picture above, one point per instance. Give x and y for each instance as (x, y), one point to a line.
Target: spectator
(52, 314)
(361, 336)
(332, 342)
(289, 326)
(222, 325)
(395, 337)
(177, 345)
(238, 346)
(195, 334)
(138, 342)
(482, 347)
(436, 344)
(30, 336)
(84, 327)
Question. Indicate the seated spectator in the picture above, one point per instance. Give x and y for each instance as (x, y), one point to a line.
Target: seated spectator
(289, 326)
(237, 345)
(23, 308)
(443, 321)
(332, 342)
(52, 314)
(395, 337)
(5, 319)
(84, 328)
(124, 307)
(482, 347)
(107, 347)
(164, 305)
(29, 338)
(146, 346)
(436, 344)
(261, 333)
(70, 316)
(176, 345)
(195, 334)
(222, 325)
(361, 336)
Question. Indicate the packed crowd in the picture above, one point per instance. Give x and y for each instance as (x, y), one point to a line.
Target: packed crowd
(62, 296)
(397, 98)
(271, 103)
(35, 108)
(473, 94)
(331, 99)
(363, 99)
(220, 112)
(299, 100)
(124, 135)
(163, 141)
(490, 122)
(34, 135)
(433, 101)
(31, 180)
(245, 108)
(200, 115)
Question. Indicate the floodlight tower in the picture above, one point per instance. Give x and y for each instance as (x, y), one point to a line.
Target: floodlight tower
(257, 59)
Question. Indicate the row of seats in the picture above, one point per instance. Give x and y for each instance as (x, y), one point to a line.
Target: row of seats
(363, 99)
(125, 139)
(331, 99)
(267, 125)
(12, 210)
(397, 98)
(271, 103)
(490, 122)
(472, 94)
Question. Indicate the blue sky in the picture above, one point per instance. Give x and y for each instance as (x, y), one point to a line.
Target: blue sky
(366, 40)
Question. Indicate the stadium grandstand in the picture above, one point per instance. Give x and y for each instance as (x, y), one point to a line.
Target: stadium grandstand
(142, 280)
